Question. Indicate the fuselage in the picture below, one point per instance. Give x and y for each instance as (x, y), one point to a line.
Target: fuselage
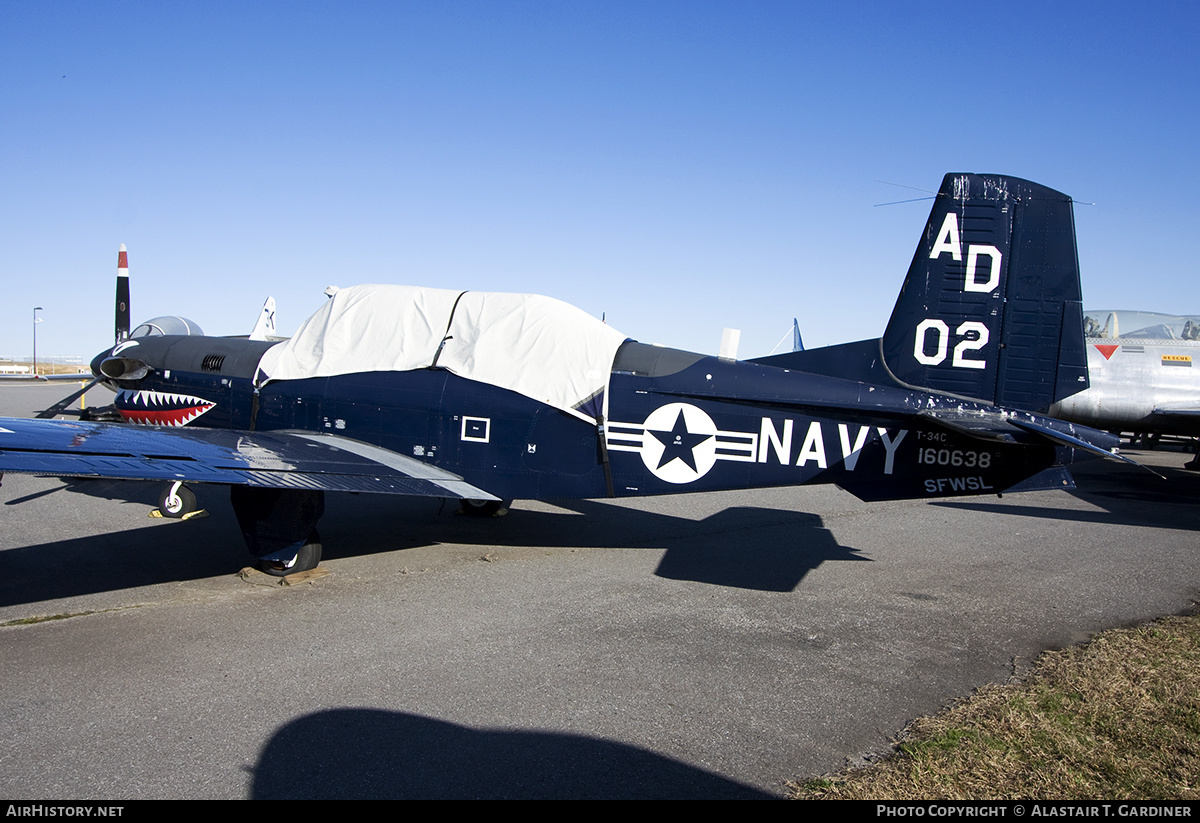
(1136, 384)
(674, 422)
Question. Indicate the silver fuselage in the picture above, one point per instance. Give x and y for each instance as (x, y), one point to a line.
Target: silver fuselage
(1142, 385)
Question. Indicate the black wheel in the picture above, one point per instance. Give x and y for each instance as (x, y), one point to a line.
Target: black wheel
(484, 508)
(176, 501)
(309, 557)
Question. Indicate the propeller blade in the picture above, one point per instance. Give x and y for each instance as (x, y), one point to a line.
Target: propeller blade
(61, 405)
(122, 318)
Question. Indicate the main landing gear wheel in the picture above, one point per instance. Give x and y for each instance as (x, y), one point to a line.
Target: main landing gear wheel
(280, 526)
(483, 508)
(176, 501)
(309, 557)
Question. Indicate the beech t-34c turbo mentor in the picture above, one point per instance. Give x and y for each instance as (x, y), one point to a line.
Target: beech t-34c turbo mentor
(487, 397)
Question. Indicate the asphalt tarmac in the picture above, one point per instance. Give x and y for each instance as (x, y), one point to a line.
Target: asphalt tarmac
(691, 646)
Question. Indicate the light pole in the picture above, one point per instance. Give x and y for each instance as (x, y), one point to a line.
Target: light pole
(36, 320)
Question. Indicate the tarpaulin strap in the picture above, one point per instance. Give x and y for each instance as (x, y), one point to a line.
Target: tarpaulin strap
(447, 335)
(602, 445)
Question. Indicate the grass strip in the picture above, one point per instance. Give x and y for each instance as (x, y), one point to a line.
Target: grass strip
(1115, 718)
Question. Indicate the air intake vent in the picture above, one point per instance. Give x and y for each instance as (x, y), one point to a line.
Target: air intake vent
(212, 362)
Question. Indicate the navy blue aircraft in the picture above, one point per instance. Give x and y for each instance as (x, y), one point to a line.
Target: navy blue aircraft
(487, 397)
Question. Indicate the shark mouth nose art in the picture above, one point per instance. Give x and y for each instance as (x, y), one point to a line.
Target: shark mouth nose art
(160, 408)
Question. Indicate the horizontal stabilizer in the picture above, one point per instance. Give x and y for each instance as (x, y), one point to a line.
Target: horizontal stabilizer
(1050, 429)
(982, 425)
(1002, 427)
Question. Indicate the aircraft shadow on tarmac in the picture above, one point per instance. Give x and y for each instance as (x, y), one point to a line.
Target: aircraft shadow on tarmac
(370, 753)
(1128, 496)
(741, 546)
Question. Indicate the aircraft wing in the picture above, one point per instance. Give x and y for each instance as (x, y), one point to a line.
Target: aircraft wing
(81, 377)
(1177, 420)
(276, 459)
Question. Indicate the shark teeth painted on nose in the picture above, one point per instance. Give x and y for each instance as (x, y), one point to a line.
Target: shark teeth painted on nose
(160, 408)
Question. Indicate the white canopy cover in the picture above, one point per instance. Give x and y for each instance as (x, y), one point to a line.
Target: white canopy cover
(537, 346)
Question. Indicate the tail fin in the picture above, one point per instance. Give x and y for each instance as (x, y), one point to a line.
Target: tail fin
(264, 327)
(991, 309)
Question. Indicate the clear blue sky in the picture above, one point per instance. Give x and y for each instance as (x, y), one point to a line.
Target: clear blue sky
(680, 166)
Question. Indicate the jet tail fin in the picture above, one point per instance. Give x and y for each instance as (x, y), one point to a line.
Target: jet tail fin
(991, 309)
(264, 328)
